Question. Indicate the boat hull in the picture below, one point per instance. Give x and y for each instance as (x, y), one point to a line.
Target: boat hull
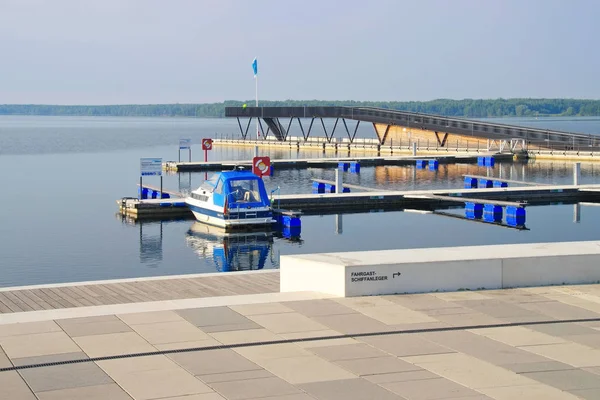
(238, 218)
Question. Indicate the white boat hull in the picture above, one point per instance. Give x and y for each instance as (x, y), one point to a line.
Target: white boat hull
(213, 215)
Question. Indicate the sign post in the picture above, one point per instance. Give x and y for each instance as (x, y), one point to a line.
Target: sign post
(206, 146)
(150, 167)
(185, 144)
(261, 166)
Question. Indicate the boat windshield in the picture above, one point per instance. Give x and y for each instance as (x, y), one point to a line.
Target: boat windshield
(210, 183)
(245, 190)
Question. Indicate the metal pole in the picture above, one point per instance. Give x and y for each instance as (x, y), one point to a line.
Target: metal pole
(161, 187)
(414, 149)
(190, 153)
(339, 185)
(576, 213)
(256, 81)
(141, 187)
(576, 173)
(255, 151)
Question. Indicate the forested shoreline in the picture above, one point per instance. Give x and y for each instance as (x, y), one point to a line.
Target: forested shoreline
(457, 108)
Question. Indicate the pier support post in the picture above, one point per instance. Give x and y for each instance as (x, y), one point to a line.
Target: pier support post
(576, 173)
(255, 151)
(339, 185)
(414, 149)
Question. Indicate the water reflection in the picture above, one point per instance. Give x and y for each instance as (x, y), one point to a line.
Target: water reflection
(338, 224)
(231, 251)
(151, 243)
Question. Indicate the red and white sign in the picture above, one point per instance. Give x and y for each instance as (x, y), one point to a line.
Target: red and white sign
(261, 166)
(206, 144)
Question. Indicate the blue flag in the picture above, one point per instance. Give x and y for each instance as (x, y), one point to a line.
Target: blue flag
(255, 66)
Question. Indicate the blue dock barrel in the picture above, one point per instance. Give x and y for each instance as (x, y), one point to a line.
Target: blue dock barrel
(421, 164)
(355, 167)
(165, 196)
(329, 188)
(470, 183)
(433, 165)
(290, 221)
(492, 213)
(154, 194)
(481, 161)
(486, 183)
(318, 187)
(343, 166)
(289, 232)
(346, 190)
(143, 192)
(489, 161)
(515, 216)
(473, 210)
(500, 184)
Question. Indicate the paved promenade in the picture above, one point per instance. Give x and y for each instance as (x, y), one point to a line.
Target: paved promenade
(533, 343)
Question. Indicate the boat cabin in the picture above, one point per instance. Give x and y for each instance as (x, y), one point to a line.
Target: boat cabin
(236, 189)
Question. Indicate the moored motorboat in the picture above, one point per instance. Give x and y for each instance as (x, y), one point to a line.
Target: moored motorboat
(232, 199)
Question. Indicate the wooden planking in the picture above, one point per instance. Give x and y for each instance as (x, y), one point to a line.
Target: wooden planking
(137, 291)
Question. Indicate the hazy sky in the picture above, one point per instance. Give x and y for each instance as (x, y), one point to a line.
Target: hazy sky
(186, 51)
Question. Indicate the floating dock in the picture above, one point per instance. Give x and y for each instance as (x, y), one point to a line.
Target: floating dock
(326, 162)
(335, 203)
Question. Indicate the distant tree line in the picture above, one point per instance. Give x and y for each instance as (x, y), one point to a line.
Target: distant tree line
(457, 108)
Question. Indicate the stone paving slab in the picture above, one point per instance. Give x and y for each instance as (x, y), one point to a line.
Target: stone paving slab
(574, 379)
(314, 308)
(255, 388)
(102, 392)
(14, 387)
(213, 362)
(349, 389)
(429, 389)
(348, 352)
(39, 344)
(441, 360)
(588, 394)
(93, 326)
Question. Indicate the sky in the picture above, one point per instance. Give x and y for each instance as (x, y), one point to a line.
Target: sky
(196, 51)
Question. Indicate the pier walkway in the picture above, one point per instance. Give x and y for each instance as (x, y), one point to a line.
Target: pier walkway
(328, 162)
(439, 128)
(332, 203)
(530, 343)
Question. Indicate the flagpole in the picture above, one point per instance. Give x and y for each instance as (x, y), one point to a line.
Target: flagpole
(256, 81)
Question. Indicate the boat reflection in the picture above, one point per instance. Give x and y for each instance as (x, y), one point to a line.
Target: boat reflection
(232, 251)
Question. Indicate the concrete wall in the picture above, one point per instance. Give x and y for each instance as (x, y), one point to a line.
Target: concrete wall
(442, 269)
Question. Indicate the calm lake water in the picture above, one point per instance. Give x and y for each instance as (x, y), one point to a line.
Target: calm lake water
(62, 175)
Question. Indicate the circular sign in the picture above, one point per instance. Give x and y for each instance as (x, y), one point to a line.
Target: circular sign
(206, 144)
(261, 166)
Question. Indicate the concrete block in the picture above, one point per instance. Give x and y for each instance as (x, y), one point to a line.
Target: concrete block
(443, 269)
